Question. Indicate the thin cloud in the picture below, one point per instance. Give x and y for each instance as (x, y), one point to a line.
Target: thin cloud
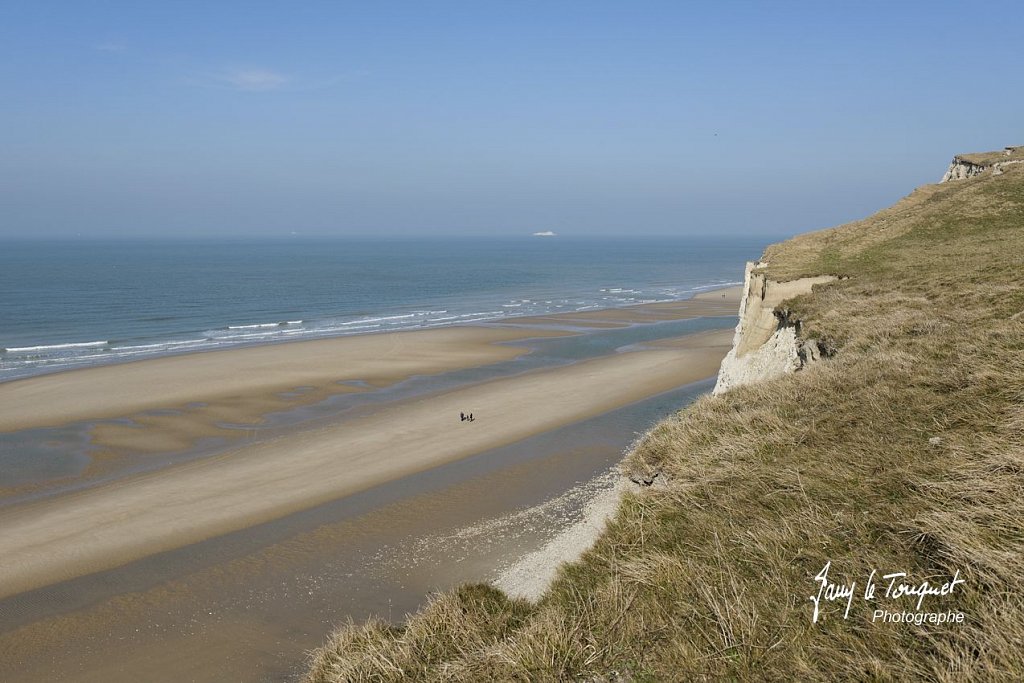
(258, 79)
(253, 79)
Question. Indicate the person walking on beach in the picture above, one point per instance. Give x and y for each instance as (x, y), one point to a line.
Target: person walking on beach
(462, 417)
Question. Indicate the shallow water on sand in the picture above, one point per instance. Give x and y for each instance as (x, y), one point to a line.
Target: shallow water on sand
(248, 606)
(43, 462)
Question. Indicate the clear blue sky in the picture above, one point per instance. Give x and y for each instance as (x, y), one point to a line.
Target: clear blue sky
(337, 118)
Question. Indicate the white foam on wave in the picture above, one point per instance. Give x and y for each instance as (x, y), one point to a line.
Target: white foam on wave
(252, 327)
(720, 285)
(251, 335)
(466, 316)
(161, 345)
(56, 347)
(328, 330)
(385, 318)
(258, 326)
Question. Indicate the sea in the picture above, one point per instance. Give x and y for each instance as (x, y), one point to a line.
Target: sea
(73, 304)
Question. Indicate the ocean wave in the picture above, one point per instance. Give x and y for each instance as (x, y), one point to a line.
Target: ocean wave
(29, 362)
(248, 335)
(56, 347)
(720, 285)
(162, 345)
(380, 319)
(258, 326)
(324, 331)
(464, 316)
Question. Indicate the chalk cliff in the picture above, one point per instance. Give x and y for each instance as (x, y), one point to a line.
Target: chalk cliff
(767, 342)
(970, 165)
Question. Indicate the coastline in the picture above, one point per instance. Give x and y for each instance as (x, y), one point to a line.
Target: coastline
(532, 573)
(107, 525)
(154, 310)
(374, 358)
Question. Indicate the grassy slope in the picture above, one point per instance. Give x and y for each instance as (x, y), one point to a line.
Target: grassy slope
(709, 576)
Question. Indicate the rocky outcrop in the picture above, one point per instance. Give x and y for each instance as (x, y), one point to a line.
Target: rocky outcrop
(767, 342)
(997, 168)
(962, 168)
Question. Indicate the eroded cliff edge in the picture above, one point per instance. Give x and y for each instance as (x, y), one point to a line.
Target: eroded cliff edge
(966, 166)
(767, 342)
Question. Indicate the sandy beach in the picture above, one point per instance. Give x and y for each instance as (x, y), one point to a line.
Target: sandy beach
(242, 384)
(65, 536)
(106, 526)
(239, 383)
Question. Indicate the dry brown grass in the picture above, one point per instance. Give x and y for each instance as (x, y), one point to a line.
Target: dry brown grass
(904, 452)
(987, 158)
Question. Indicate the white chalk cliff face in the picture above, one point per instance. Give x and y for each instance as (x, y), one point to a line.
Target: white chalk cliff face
(962, 170)
(767, 342)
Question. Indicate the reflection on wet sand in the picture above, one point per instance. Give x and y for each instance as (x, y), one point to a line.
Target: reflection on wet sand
(244, 605)
(248, 606)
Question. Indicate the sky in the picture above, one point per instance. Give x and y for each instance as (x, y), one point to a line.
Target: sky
(274, 119)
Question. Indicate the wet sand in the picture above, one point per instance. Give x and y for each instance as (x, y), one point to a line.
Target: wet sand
(55, 540)
(718, 302)
(247, 607)
(240, 385)
(111, 528)
(73, 430)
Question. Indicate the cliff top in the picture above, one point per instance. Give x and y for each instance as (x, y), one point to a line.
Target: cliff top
(845, 249)
(989, 158)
